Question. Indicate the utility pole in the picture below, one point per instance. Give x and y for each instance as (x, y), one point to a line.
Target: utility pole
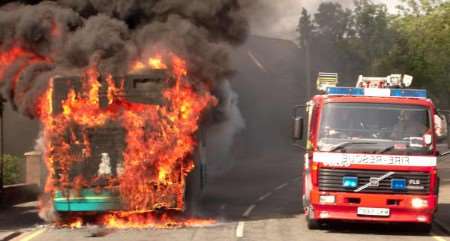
(308, 70)
(2, 144)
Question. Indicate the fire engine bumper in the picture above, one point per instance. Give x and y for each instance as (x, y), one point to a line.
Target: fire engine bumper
(401, 208)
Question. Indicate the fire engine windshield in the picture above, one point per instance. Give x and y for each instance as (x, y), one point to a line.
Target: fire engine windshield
(374, 128)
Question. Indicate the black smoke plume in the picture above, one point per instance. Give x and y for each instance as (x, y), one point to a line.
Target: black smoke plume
(64, 37)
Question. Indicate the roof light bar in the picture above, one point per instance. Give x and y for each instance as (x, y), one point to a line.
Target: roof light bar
(350, 91)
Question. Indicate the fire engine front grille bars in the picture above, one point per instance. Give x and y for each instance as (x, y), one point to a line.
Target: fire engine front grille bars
(332, 180)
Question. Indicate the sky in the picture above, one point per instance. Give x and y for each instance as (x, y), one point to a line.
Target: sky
(279, 18)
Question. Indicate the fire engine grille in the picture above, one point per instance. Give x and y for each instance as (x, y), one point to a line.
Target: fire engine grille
(332, 180)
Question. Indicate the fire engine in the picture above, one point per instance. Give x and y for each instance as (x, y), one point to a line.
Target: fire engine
(370, 152)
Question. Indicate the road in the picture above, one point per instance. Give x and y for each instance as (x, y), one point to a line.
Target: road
(258, 198)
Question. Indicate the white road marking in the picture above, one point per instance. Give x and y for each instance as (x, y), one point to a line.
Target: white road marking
(281, 186)
(438, 238)
(30, 236)
(241, 224)
(256, 61)
(265, 196)
(248, 211)
(240, 229)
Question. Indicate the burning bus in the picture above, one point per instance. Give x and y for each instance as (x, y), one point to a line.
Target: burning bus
(108, 145)
(130, 143)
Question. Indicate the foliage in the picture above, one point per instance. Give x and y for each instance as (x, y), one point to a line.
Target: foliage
(424, 44)
(369, 40)
(305, 28)
(13, 170)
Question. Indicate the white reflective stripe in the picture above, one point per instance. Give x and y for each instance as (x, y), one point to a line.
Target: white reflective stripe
(348, 159)
(377, 92)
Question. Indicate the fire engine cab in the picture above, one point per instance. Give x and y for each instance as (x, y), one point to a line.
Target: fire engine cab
(370, 152)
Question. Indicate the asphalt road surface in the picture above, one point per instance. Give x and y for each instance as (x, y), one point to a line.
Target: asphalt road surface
(258, 198)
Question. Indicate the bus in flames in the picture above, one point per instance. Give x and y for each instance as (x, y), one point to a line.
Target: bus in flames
(125, 146)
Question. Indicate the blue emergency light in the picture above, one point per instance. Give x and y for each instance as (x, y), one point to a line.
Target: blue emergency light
(378, 92)
(398, 184)
(409, 93)
(350, 182)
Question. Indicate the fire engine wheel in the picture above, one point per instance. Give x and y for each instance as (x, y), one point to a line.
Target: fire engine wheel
(424, 227)
(313, 224)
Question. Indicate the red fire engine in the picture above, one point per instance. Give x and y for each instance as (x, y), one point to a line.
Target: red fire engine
(370, 152)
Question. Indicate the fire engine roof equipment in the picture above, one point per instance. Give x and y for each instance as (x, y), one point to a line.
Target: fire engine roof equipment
(326, 80)
(391, 81)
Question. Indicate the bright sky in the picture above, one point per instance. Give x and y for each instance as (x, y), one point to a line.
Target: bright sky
(282, 19)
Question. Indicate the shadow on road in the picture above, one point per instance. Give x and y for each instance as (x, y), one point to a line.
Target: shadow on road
(376, 229)
(19, 216)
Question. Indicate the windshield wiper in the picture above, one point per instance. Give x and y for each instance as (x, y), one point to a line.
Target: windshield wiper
(389, 148)
(342, 145)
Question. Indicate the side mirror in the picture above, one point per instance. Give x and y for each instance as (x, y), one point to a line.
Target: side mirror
(441, 126)
(298, 125)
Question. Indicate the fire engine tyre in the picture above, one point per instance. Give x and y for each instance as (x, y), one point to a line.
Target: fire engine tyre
(424, 228)
(313, 224)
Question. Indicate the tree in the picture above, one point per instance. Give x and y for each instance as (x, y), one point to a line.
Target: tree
(333, 22)
(305, 28)
(13, 170)
(423, 47)
(374, 36)
(370, 41)
(306, 31)
(332, 29)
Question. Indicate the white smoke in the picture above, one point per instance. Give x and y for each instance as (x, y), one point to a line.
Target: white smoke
(39, 144)
(220, 136)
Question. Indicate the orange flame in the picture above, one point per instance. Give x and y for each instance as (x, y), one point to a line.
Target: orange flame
(155, 160)
(154, 62)
(77, 223)
(124, 220)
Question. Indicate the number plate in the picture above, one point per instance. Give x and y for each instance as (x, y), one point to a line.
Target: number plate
(383, 212)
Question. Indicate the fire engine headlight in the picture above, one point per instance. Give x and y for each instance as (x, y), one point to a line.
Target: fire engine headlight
(419, 203)
(327, 199)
